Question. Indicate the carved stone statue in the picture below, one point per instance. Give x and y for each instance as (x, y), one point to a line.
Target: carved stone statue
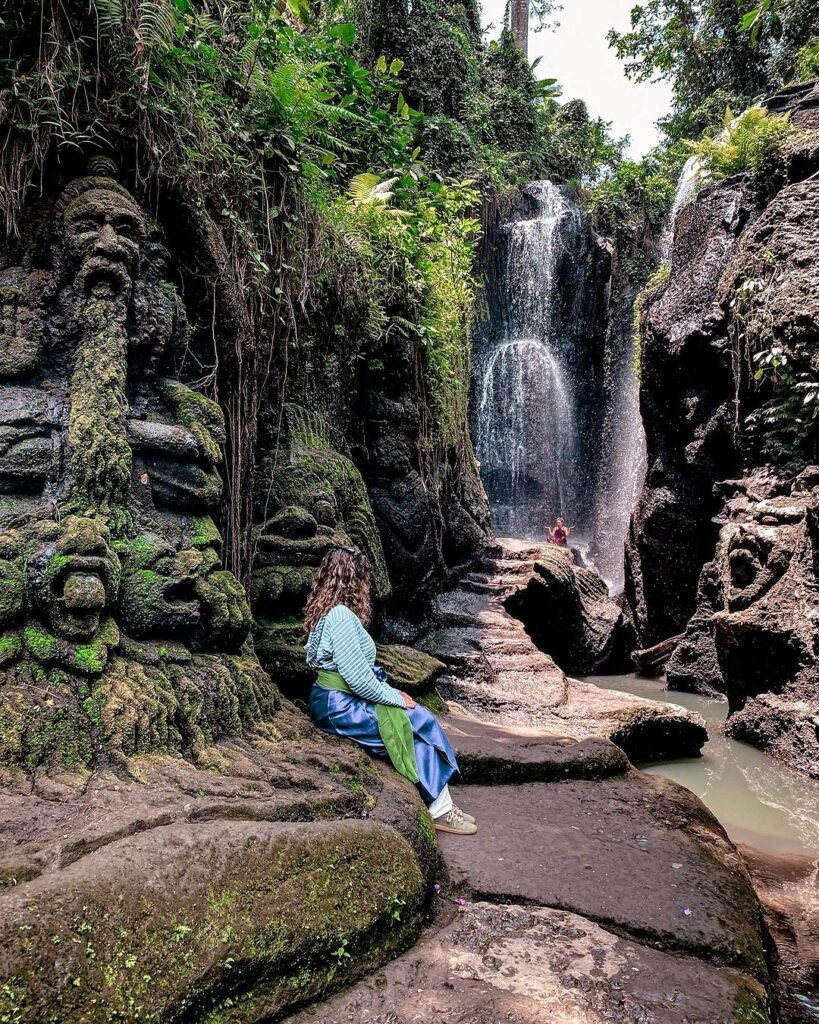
(310, 498)
(755, 633)
(121, 631)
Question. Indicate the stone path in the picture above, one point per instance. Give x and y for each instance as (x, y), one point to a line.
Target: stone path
(496, 672)
(589, 900)
(592, 893)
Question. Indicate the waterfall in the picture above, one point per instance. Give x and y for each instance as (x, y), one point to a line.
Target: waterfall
(525, 437)
(524, 407)
(622, 449)
(686, 189)
(555, 400)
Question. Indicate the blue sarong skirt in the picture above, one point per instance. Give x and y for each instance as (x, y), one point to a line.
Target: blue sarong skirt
(347, 715)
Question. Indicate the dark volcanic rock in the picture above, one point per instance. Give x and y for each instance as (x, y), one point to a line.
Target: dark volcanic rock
(788, 887)
(686, 398)
(754, 636)
(567, 611)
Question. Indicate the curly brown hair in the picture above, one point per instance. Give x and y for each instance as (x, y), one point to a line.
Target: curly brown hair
(342, 578)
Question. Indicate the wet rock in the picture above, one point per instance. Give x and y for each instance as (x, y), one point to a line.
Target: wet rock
(754, 635)
(512, 964)
(788, 887)
(497, 673)
(651, 661)
(640, 855)
(567, 611)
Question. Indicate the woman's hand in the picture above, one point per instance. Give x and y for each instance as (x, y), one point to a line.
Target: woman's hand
(407, 700)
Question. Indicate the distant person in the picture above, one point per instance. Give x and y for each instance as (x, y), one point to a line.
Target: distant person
(559, 533)
(351, 696)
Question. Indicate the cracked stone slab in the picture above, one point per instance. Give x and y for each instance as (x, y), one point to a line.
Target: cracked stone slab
(639, 854)
(489, 964)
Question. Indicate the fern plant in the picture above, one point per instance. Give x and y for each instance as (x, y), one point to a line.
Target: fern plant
(746, 143)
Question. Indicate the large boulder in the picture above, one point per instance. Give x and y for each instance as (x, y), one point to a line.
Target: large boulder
(567, 611)
(176, 890)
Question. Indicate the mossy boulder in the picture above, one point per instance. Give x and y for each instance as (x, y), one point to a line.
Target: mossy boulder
(213, 922)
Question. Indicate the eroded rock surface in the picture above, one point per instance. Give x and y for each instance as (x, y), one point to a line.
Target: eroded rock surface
(496, 672)
(567, 611)
(516, 964)
(754, 636)
(741, 280)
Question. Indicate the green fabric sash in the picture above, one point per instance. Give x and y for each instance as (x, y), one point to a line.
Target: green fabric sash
(394, 727)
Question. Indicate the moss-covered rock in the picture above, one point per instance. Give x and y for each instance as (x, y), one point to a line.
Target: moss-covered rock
(214, 922)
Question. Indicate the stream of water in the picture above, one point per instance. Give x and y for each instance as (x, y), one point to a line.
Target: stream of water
(758, 803)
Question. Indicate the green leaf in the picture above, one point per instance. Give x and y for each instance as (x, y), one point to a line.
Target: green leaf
(345, 33)
(396, 66)
(381, 63)
(749, 19)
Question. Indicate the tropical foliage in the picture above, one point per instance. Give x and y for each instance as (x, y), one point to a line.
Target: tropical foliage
(751, 141)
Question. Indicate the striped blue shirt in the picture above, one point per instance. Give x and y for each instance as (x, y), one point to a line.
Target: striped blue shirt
(340, 643)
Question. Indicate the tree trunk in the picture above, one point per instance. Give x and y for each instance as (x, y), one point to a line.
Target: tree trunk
(519, 12)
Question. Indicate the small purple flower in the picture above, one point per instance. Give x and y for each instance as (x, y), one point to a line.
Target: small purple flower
(688, 911)
(437, 887)
(460, 901)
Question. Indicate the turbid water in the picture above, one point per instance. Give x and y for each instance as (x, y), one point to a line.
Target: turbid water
(757, 801)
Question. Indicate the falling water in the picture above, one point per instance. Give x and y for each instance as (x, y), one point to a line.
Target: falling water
(526, 436)
(686, 190)
(525, 416)
(622, 447)
(622, 450)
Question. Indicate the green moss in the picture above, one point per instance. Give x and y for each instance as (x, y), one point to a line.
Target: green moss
(205, 533)
(426, 829)
(12, 590)
(42, 645)
(750, 1007)
(11, 646)
(98, 448)
(300, 912)
(56, 736)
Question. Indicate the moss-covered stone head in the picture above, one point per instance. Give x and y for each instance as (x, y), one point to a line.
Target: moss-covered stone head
(110, 561)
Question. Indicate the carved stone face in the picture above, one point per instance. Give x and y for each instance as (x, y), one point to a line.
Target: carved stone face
(74, 578)
(103, 232)
(109, 557)
(756, 557)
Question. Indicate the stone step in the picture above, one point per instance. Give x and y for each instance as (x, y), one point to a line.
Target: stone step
(493, 754)
(512, 964)
(639, 855)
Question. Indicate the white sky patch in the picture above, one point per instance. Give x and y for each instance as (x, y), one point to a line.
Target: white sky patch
(578, 56)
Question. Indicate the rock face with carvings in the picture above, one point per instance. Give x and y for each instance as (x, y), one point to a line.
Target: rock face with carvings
(755, 633)
(310, 498)
(742, 281)
(121, 632)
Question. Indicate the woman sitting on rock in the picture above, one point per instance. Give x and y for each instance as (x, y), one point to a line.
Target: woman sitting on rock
(352, 698)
